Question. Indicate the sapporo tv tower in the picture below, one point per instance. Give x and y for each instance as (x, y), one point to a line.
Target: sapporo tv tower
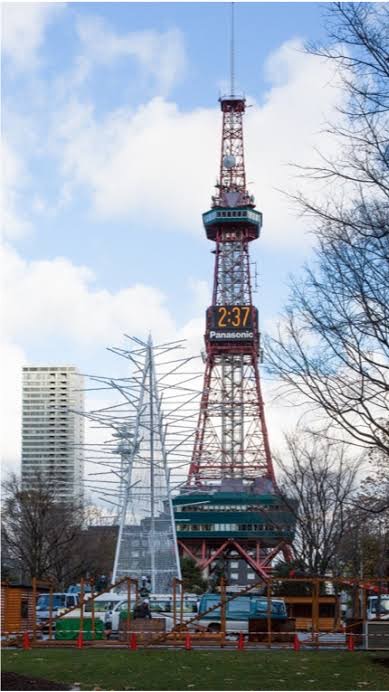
(230, 508)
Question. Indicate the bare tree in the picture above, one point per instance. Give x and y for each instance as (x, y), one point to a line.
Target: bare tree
(364, 550)
(333, 345)
(319, 477)
(40, 536)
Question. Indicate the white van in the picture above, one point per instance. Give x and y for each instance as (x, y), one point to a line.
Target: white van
(103, 604)
(59, 603)
(372, 607)
(161, 605)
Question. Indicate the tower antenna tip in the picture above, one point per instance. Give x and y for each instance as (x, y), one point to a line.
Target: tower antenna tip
(232, 50)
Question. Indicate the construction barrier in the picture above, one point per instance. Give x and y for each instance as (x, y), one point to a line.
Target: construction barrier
(189, 640)
(315, 632)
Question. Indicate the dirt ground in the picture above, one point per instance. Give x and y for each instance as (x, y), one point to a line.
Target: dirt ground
(382, 661)
(14, 681)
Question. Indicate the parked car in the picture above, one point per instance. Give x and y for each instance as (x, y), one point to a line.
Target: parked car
(60, 603)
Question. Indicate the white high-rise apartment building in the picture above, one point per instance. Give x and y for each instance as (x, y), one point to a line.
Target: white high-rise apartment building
(52, 436)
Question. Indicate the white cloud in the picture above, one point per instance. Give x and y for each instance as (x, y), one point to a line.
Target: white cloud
(24, 26)
(287, 130)
(51, 299)
(159, 163)
(159, 54)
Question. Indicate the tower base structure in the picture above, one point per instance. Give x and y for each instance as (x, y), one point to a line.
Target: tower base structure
(232, 522)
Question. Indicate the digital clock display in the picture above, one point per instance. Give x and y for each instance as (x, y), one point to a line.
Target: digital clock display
(231, 322)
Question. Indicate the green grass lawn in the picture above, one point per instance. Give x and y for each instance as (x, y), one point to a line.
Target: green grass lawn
(204, 670)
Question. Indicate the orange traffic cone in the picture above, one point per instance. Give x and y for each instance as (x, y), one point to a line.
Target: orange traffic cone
(80, 641)
(133, 642)
(26, 641)
(296, 643)
(241, 641)
(188, 642)
(350, 642)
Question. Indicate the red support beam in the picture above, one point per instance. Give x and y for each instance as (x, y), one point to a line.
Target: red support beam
(257, 567)
(186, 550)
(270, 556)
(215, 555)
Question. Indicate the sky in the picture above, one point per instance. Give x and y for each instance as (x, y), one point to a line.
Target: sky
(111, 137)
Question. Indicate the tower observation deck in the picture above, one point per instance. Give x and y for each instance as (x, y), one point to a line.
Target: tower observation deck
(230, 507)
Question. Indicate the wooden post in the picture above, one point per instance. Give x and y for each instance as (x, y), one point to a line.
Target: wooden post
(181, 602)
(174, 602)
(128, 605)
(268, 613)
(93, 620)
(364, 604)
(358, 602)
(336, 625)
(355, 605)
(380, 585)
(223, 610)
(130, 599)
(82, 606)
(33, 609)
(51, 612)
(175, 608)
(315, 607)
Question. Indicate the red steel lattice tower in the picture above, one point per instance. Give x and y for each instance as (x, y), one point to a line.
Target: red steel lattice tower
(230, 506)
(232, 440)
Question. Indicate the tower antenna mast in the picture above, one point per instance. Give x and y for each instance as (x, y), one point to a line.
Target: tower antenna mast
(232, 50)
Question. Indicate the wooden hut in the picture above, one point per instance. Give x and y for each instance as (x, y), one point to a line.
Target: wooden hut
(17, 606)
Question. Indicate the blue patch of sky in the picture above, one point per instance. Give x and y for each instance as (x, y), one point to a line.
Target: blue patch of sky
(260, 29)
